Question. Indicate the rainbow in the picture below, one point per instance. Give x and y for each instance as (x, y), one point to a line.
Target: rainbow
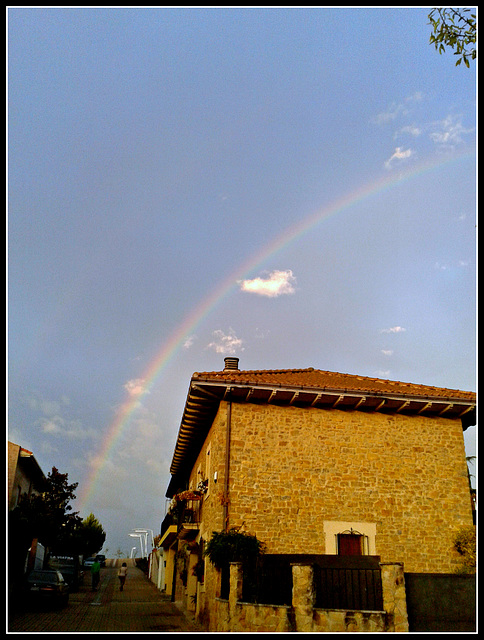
(189, 324)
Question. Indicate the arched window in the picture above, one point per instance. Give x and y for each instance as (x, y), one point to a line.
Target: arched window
(351, 543)
(349, 538)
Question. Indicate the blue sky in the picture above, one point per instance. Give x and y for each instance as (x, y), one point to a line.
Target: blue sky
(154, 152)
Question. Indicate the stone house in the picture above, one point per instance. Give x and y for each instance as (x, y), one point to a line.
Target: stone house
(24, 474)
(25, 478)
(315, 462)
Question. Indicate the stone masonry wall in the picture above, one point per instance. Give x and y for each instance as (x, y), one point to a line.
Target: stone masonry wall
(212, 510)
(233, 615)
(291, 469)
(13, 452)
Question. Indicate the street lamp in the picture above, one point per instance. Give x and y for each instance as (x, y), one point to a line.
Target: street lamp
(146, 531)
(138, 535)
(132, 554)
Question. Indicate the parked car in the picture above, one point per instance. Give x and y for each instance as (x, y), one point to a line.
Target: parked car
(101, 559)
(70, 567)
(48, 586)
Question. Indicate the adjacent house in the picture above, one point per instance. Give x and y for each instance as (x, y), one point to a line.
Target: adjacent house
(24, 474)
(25, 478)
(315, 462)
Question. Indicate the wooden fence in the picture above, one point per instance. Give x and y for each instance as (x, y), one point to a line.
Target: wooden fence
(340, 582)
(348, 588)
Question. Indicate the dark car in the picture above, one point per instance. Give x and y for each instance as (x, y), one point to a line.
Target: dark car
(48, 586)
(101, 559)
(70, 567)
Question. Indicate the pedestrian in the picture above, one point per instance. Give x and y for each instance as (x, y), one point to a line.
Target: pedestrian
(122, 573)
(95, 574)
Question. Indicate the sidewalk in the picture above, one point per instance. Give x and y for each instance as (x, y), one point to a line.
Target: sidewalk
(140, 607)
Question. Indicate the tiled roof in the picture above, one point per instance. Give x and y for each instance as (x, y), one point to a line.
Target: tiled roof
(312, 388)
(329, 380)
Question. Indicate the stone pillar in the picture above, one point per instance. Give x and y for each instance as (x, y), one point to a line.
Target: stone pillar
(235, 594)
(394, 595)
(191, 583)
(236, 584)
(303, 596)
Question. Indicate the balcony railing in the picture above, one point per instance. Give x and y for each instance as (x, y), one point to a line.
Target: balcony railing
(184, 512)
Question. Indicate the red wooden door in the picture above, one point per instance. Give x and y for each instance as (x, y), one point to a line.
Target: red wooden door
(350, 544)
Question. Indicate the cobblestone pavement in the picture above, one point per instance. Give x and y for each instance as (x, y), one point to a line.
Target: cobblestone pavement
(140, 607)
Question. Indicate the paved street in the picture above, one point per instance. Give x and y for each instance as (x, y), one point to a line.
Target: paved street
(140, 607)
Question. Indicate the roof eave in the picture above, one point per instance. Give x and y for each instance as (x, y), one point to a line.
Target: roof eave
(205, 395)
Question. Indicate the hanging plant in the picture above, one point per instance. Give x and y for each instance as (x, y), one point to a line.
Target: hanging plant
(199, 570)
(179, 498)
(187, 495)
(233, 546)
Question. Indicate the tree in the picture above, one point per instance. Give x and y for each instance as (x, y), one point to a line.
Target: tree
(47, 516)
(59, 525)
(43, 516)
(89, 536)
(454, 28)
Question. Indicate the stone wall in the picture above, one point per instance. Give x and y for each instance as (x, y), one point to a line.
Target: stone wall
(293, 469)
(15, 480)
(232, 615)
(297, 476)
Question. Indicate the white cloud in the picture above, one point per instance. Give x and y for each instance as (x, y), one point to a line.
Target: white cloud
(52, 419)
(449, 132)
(397, 109)
(189, 342)
(398, 156)
(278, 283)
(383, 374)
(440, 266)
(261, 334)
(50, 426)
(396, 329)
(71, 429)
(411, 130)
(135, 387)
(227, 344)
(48, 407)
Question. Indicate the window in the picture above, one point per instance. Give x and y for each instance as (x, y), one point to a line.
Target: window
(207, 468)
(350, 543)
(198, 478)
(350, 538)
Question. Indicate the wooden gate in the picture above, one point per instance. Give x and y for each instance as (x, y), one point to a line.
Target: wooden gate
(349, 583)
(340, 582)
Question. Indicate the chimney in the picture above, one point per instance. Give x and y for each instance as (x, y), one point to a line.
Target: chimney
(231, 364)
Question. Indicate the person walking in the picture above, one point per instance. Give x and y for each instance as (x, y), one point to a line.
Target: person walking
(122, 573)
(95, 574)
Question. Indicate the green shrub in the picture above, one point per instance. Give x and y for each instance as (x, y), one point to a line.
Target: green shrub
(233, 546)
(465, 544)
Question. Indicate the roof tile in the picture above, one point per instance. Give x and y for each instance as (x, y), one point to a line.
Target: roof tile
(318, 379)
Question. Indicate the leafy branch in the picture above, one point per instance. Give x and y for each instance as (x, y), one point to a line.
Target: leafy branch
(454, 28)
